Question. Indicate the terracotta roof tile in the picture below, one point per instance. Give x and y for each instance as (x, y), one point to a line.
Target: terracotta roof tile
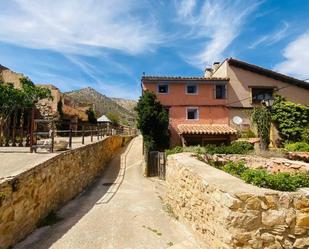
(71, 111)
(181, 78)
(206, 129)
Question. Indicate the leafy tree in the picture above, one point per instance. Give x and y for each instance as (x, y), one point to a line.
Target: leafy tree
(114, 118)
(91, 116)
(261, 116)
(152, 121)
(32, 93)
(27, 96)
(291, 119)
(9, 97)
(12, 98)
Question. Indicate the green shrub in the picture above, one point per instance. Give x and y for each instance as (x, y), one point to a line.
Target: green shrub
(247, 134)
(235, 169)
(179, 149)
(261, 178)
(298, 146)
(305, 135)
(175, 150)
(291, 119)
(241, 147)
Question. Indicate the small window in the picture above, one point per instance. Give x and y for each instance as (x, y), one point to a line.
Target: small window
(162, 88)
(259, 94)
(191, 89)
(220, 91)
(192, 113)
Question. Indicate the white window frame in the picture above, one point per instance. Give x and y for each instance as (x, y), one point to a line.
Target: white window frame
(186, 89)
(197, 113)
(163, 84)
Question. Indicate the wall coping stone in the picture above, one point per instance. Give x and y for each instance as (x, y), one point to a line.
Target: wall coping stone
(223, 180)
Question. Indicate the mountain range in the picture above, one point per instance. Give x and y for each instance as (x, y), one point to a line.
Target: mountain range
(123, 108)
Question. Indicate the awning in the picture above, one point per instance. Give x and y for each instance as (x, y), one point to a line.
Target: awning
(209, 129)
(103, 119)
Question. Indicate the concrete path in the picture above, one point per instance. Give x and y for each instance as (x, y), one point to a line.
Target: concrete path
(121, 210)
(15, 160)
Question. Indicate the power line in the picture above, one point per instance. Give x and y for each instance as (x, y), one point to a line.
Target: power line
(240, 100)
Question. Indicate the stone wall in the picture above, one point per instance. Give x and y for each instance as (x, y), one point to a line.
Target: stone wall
(229, 213)
(29, 197)
(9, 76)
(272, 164)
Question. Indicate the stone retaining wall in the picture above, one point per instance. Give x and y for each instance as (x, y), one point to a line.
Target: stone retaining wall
(29, 197)
(229, 213)
(272, 164)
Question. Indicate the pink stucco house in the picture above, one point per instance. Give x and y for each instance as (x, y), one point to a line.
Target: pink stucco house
(196, 107)
(204, 109)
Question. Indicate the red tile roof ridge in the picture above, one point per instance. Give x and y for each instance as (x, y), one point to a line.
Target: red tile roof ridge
(152, 77)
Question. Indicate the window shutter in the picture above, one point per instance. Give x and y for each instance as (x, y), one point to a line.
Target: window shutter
(225, 91)
(215, 91)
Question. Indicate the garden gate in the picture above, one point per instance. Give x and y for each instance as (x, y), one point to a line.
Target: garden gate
(156, 164)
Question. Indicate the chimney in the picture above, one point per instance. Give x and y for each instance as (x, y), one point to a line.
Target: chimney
(215, 66)
(208, 72)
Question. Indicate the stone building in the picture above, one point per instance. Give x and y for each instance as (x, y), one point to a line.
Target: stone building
(196, 107)
(8, 76)
(72, 112)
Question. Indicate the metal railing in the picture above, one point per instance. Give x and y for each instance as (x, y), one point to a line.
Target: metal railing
(71, 136)
(24, 127)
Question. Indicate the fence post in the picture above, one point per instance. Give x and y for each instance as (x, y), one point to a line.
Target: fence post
(14, 129)
(1, 137)
(21, 126)
(70, 138)
(52, 140)
(7, 128)
(91, 133)
(83, 134)
(32, 130)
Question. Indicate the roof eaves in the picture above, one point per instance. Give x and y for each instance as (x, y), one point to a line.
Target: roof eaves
(268, 73)
(179, 78)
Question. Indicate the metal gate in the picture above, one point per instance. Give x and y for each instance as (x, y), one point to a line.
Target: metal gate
(156, 164)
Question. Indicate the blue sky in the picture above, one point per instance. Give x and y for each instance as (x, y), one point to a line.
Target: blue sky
(109, 44)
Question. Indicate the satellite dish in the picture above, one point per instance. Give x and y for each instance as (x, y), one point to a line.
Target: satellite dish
(237, 120)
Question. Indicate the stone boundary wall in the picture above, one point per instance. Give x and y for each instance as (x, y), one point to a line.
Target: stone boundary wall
(273, 164)
(29, 197)
(229, 213)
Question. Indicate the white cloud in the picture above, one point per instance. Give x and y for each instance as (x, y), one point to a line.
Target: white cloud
(218, 23)
(105, 86)
(78, 26)
(272, 38)
(185, 8)
(296, 58)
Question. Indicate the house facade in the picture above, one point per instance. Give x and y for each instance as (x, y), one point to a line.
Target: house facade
(196, 107)
(250, 84)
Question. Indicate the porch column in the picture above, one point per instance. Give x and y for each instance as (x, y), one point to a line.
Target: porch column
(183, 141)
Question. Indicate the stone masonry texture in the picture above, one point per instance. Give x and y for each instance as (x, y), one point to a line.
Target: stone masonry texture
(228, 213)
(30, 196)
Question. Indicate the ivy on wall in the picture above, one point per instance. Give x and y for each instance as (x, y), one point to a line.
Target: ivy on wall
(291, 119)
(261, 116)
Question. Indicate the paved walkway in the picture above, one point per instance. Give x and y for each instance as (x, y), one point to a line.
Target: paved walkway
(121, 210)
(15, 160)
